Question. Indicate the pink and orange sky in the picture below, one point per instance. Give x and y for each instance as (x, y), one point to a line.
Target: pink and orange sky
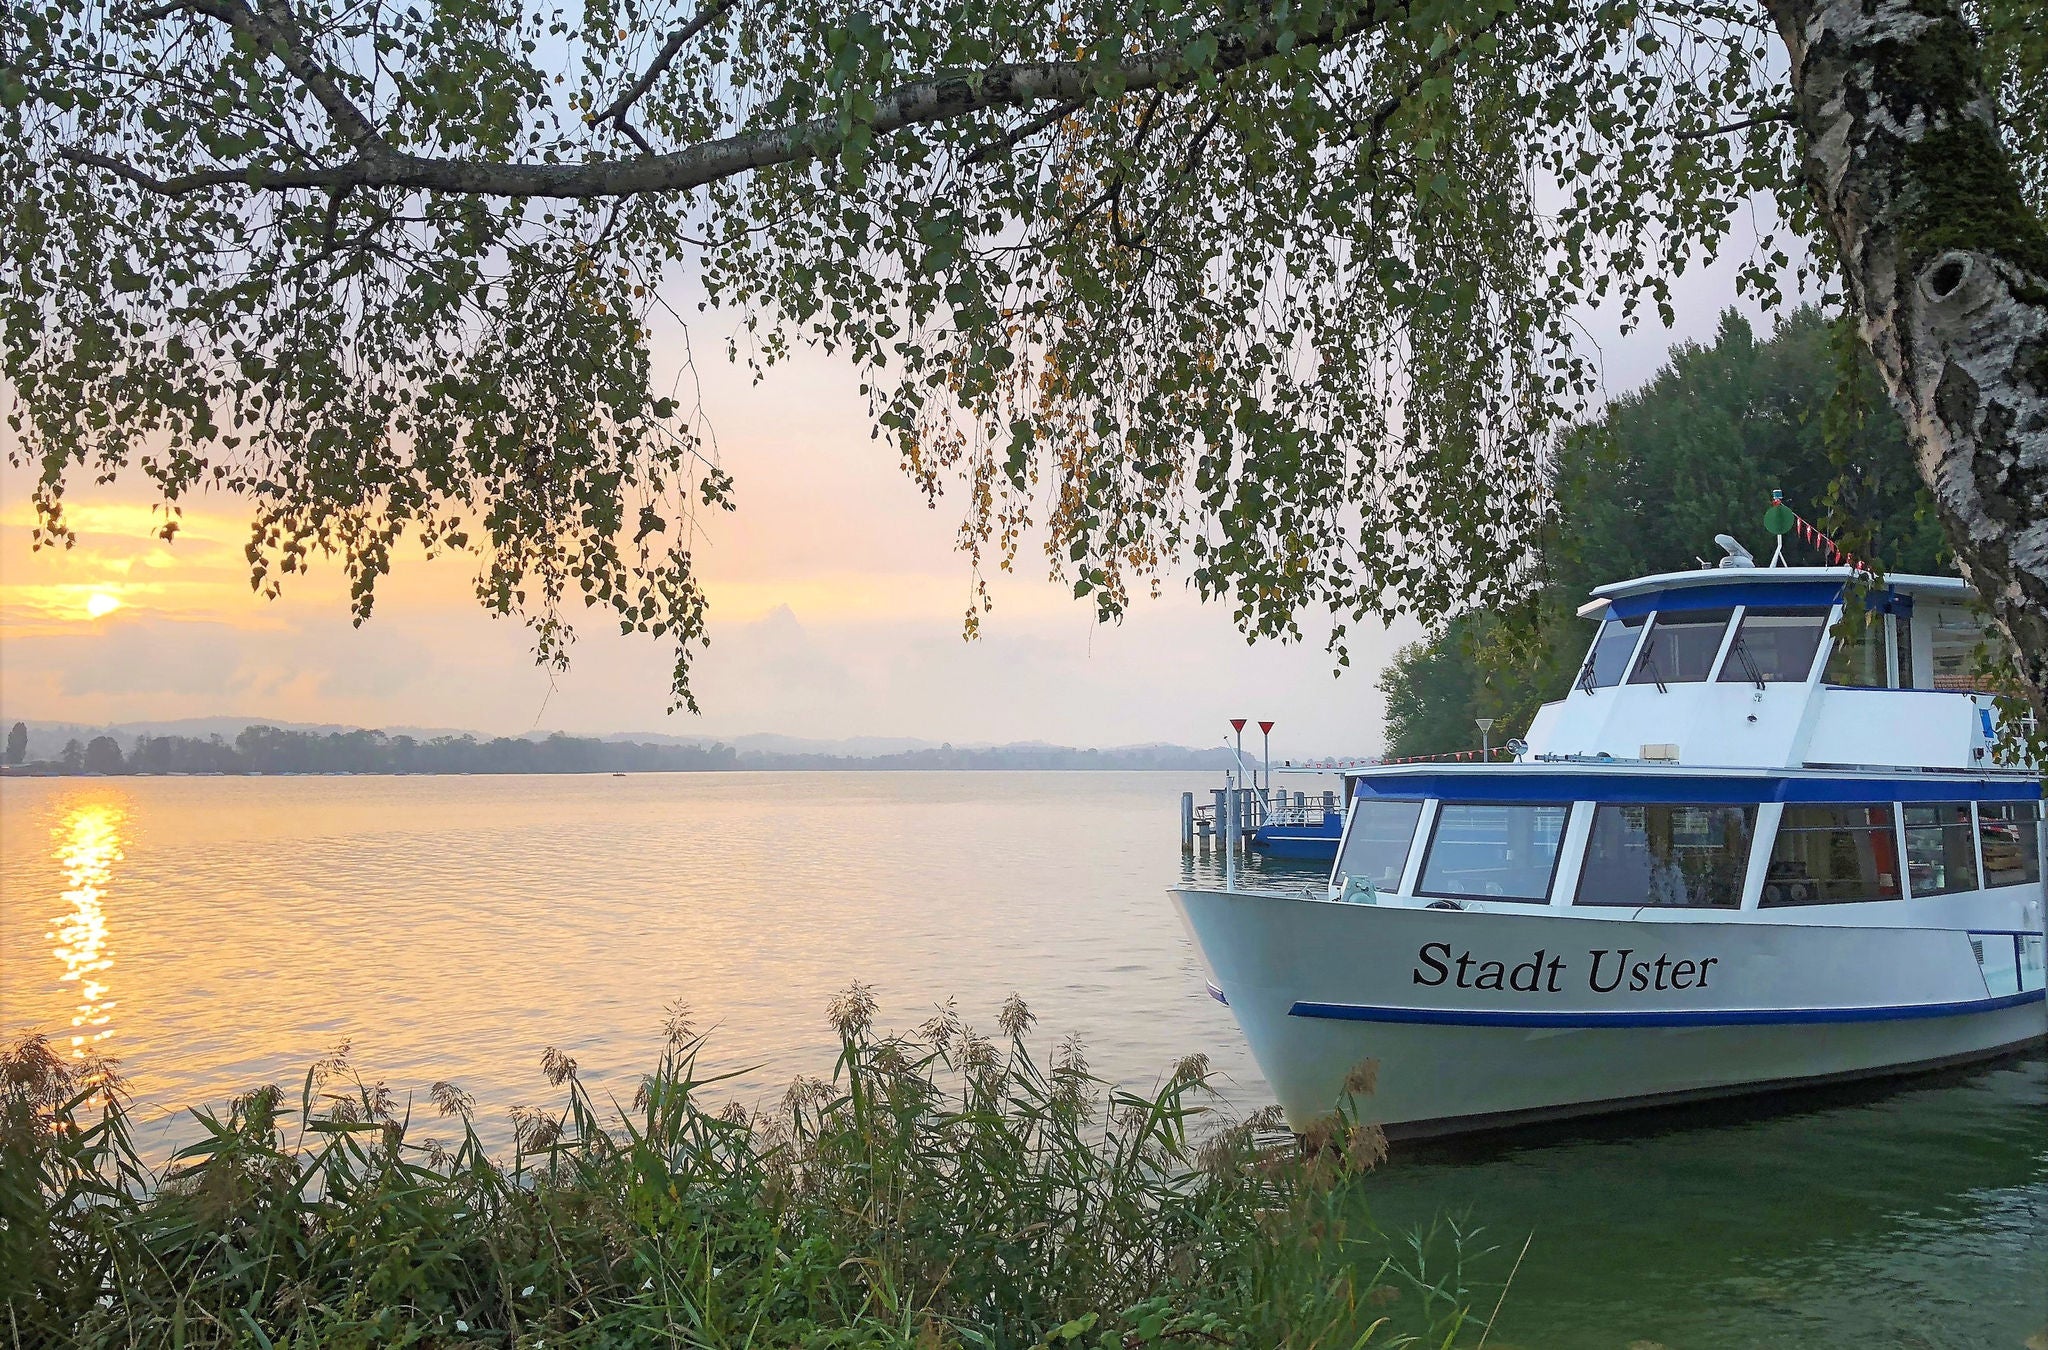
(836, 611)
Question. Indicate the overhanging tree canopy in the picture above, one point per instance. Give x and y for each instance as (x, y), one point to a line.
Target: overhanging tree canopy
(1284, 289)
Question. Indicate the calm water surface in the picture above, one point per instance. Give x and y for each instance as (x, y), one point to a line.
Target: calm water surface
(215, 934)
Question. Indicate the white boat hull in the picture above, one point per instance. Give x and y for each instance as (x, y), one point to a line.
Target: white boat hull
(1544, 1018)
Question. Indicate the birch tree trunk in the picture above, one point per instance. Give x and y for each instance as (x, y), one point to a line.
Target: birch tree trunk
(1947, 271)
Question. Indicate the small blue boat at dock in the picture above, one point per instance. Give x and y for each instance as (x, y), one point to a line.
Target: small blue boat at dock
(1311, 832)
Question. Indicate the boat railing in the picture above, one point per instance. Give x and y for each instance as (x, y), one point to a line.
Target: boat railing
(1299, 815)
(2011, 962)
(1256, 809)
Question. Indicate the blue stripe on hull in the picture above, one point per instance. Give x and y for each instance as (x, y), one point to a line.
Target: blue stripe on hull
(1729, 1017)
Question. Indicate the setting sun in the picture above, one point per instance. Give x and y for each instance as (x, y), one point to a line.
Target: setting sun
(99, 604)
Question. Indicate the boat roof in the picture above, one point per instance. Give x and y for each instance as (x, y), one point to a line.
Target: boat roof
(1714, 586)
(1583, 779)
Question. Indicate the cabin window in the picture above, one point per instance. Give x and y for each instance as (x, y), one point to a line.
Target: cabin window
(1611, 651)
(1692, 856)
(1681, 646)
(1941, 849)
(1859, 659)
(1774, 646)
(1493, 852)
(1833, 855)
(2010, 835)
(1376, 848)
(1953, 639)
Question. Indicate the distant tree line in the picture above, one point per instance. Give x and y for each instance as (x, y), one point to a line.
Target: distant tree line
(268, 749)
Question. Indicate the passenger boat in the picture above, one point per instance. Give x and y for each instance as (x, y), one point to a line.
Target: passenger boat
(1740, 854)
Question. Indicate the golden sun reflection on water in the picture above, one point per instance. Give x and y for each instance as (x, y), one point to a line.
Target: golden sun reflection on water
(88, 846)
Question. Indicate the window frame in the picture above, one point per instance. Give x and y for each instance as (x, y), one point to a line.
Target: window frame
(1897, 832)
(1983, 869)
(1882, 621)
(1751, 814)
(1722, 674)
(1729, 615)
(1436, 822)
(1421, 805)
(1975, 827)
(1642, 624)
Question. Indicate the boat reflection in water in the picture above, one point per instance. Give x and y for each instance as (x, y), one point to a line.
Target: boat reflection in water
(88, 846)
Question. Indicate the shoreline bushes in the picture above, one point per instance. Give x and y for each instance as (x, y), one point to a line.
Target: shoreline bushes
(941, 1189)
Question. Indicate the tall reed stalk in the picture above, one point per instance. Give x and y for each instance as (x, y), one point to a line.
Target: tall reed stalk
(941, 1189)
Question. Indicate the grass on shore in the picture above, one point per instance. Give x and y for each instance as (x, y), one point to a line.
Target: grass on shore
(941, 1190)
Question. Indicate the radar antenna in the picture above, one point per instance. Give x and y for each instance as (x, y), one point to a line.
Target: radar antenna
(1738, 556)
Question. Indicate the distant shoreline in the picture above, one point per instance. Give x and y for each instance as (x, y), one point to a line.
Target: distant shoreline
(851, 766)
(264, 749)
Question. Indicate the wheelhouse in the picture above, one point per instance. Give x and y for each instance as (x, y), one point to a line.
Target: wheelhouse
(1916, 633)
(1781, 668)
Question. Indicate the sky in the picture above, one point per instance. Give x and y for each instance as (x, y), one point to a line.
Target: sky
(836, 610)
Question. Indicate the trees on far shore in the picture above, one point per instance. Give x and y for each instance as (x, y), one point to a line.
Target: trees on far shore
(268, 749)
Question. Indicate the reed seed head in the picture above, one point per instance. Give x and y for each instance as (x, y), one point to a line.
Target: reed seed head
(1192, 1071)
(1363, 1078)
(451, 1100)
(557, 1065)
(1016, 1018)
(940, 1029)
(853, 1010)
(677, 1026)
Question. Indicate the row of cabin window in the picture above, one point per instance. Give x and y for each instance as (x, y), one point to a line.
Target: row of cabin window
(1778, 646)
(1698, 856)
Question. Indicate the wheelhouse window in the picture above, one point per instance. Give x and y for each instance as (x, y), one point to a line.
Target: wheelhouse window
(1941, 849)
(1774, 646)
(1859, 659)
(1833, 855)
(1376, 848)
(2010, 835)
(1681, 646)
(1481, 851)
(1959, 649)
(1611, 651)
(1690, 856)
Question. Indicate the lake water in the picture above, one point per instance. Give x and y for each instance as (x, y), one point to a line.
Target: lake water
(215, 934)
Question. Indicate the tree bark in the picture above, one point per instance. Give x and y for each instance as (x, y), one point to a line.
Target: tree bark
(1946, 270)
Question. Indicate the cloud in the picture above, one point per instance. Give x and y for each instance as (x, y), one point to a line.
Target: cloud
(128, 653)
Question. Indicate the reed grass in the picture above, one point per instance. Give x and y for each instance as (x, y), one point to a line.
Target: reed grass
(941, 1189)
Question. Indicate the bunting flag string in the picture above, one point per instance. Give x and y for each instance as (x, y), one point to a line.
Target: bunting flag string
(1811, 534)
